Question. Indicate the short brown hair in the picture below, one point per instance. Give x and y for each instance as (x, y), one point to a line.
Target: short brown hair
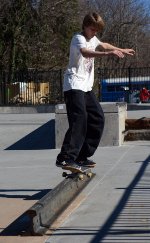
(95, 20)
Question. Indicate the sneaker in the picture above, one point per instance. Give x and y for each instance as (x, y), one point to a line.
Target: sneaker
(87, 163)
(60, 163)
(69, 164)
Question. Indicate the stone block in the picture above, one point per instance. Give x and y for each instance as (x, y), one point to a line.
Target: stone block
(113, 134)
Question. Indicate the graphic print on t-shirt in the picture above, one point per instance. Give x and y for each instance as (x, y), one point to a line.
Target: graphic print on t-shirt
(88, 63)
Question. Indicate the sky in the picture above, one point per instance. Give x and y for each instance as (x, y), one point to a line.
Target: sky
(147, 5)
(147, 2)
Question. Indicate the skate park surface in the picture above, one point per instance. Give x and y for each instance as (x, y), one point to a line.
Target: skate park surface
(114, 207)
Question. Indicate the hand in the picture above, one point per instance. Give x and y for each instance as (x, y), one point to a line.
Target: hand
(117, 53)
(130, 52)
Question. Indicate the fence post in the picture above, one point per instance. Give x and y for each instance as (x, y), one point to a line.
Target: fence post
(130, 84)
(99, 85)
(4, 88)
(61, 86)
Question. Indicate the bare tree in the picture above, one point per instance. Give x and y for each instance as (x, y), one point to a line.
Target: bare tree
(17, 23)
(39, 35)
(126, 25)
(58, 21)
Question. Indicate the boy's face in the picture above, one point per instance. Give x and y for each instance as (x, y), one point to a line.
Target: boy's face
(90, 31)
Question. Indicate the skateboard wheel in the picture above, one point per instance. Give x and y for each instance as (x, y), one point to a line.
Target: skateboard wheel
(81, 177)
(64, 174)
(89, 175)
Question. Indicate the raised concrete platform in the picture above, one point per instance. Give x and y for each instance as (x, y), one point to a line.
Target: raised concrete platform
(115, 115)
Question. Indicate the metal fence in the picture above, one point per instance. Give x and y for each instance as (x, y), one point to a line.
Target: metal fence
(123, 84)
(45, 87)
(31, 88)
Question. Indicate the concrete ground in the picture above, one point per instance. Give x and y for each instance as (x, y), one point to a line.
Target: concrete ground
(116, 202)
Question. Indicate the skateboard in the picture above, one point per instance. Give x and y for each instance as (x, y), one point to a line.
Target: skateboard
(80, 175)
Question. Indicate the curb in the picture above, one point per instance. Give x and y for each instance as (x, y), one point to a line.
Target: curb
(43, 213)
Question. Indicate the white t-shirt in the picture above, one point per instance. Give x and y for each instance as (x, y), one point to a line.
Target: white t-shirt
(80, 71)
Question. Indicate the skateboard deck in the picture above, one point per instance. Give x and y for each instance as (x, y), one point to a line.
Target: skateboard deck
(80, 174)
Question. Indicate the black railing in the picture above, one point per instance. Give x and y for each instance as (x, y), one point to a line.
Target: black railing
(31, 88)
(45, 87)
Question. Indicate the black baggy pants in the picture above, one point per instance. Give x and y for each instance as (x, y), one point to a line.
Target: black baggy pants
(86, 123)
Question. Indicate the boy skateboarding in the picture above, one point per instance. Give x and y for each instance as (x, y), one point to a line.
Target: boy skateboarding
(85, 115)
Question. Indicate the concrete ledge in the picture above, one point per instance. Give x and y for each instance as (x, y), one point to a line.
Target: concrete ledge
(47, 210)
(27, 109)
(115, 116)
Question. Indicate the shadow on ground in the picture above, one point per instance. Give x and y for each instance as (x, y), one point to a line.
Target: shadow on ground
(23, 193)
(130, 219)
(42, 138)
(22, 223)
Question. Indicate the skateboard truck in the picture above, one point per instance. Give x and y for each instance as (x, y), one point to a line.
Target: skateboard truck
(80, 175)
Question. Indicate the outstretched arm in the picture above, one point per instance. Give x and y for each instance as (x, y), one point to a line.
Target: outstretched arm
(109, 50)
(107, 46)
